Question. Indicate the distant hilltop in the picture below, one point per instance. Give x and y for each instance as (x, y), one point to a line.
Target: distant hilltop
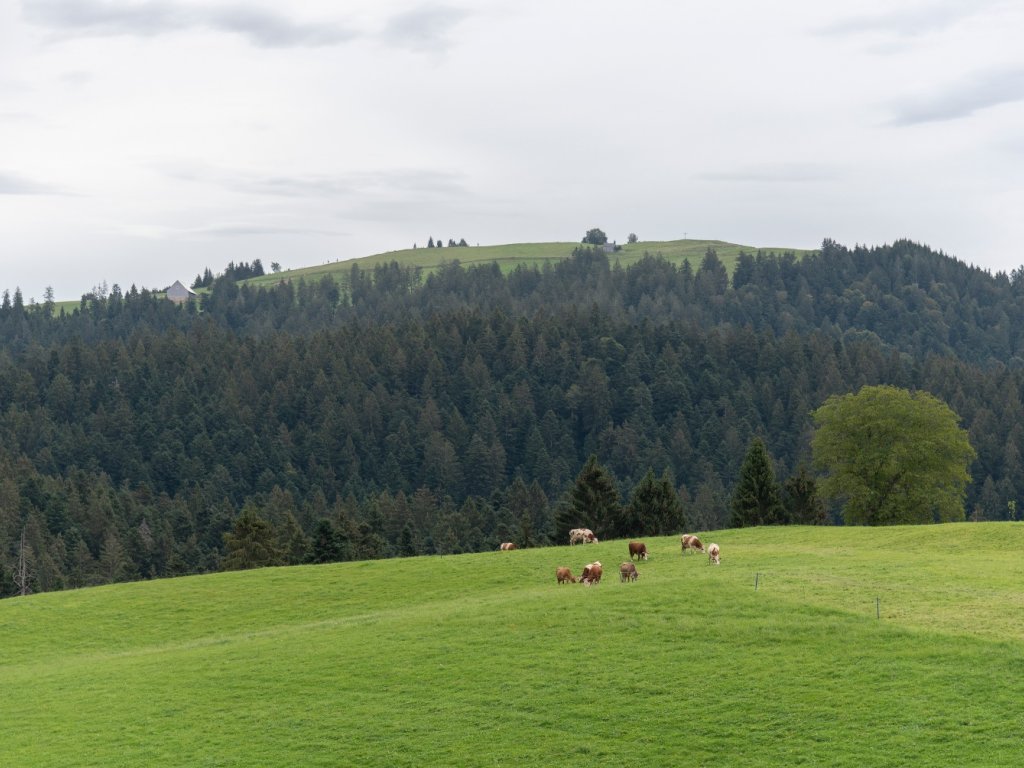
(509, 256)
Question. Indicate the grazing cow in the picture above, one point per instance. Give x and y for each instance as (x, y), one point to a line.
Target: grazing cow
(690, 542)
(507, 545)
(714, 555)
(637, 549)
(591, 573)
(582, 536)
(627, 572)
(564, 576)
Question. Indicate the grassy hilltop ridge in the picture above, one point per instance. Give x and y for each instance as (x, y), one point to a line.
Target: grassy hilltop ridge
(509, 256)
(483, 660)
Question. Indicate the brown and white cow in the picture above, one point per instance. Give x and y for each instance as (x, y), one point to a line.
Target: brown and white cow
(714, 555)
(507, 545)
(637, 549)
(627, 571)
(564, 575)
(582, 536)
(689, 541)
(591, 573)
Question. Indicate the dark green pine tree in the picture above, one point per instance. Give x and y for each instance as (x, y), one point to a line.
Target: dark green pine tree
(250, 543)
(800, 497)
(654, 508)
(407, 542)
(593, 503)
(757, 499)
(327, 545)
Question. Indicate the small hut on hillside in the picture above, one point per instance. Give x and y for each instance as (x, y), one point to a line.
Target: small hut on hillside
(179, 294)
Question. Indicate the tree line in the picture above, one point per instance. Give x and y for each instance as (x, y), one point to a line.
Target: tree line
(397, 413)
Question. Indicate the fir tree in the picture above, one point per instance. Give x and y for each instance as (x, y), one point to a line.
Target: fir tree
(250, 543)
(654, 508)
(757, 499)
(800, 497)
(593, 503)
(327, 544)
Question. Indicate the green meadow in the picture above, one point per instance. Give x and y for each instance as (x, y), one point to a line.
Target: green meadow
(859, 647)
(508, 257)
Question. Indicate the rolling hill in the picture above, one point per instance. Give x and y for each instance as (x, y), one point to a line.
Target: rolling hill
(482, 659)
(509, 256)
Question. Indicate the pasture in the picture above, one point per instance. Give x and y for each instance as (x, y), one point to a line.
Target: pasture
(510, 256)
(483, 660)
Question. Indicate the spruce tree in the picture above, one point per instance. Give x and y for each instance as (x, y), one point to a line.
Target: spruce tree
(800, 497)
(250, 543)
(327, 544)
(593, 503)
(654, 508)
(757, 499)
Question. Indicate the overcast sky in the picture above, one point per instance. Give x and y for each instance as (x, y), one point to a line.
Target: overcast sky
(141, 142)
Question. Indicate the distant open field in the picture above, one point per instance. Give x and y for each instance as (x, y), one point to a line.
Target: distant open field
(482, 659)
(508, 257)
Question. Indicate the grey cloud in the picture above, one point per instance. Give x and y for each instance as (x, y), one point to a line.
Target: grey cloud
(425, 28)
(909, 22)
(250, 230)
(983, 90)
(406, 182)
(773, 173)
(271, 31)
(379, 195)
(12, 184)
(95, 17)
(156, 17)
(76, 79)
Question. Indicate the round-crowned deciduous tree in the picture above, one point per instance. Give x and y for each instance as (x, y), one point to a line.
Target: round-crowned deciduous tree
(595, 237)
(893, 456)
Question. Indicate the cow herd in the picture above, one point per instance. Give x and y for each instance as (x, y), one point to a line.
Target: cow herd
(592, 572)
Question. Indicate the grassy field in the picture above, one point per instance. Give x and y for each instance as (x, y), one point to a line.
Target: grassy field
(482, 660)
(508, 257)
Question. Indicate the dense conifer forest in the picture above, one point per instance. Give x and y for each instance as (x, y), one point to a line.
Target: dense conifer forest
(395, 413)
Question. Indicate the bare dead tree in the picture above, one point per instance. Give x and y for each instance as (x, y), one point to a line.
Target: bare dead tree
(21, 572)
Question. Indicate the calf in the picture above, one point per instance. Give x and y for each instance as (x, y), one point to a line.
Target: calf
(714, 555)
(627, 571)
(591, 573)
(564, 576)
(507, 545)
(690, 542)
(637, 549)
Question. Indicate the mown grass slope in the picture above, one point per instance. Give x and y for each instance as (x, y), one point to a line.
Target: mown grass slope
(508, 257)
(483, 660)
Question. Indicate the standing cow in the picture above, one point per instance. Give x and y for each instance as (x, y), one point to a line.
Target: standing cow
(582, 536)
(689, 541)
(627, 571)
(714, 555)
(638, 550)
(507, 546)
